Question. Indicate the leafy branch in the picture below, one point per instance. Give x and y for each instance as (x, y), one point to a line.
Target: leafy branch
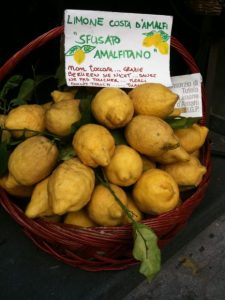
(36, 132)
(181, 122)
(145, 240)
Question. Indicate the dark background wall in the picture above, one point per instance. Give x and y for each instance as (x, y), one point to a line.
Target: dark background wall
(22, 21)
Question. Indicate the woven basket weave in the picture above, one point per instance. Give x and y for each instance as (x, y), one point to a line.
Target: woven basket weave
(102, 248)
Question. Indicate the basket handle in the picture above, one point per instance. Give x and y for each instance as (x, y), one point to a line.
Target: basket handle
(57, 31)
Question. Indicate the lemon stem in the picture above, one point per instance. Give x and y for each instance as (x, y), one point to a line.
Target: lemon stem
(125, 209)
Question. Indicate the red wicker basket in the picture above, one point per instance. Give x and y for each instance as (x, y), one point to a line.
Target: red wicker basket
(102, 248)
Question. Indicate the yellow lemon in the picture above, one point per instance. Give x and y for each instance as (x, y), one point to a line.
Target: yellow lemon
(152, 40)
(39, 204)
(187, 173)
(61, 115)
(192, 138)
(46, 105)
(103, 208)
(112, 107)
(94, 145)
(136, 213)
(156, 192)
(58, 96)
(70, 186)
(125, 166)
(79, 56)
(163, 48)
(27, 116)
(79, 218)
(150, 135)
(33, 160)
(172, 156)
(196, 153)
(157, 39)
(153, 99)
(148, 41)
(9, 183)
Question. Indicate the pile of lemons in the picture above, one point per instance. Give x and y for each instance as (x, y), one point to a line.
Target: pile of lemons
(146, 172)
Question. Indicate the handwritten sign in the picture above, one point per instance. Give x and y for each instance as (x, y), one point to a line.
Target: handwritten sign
(188, 87)
(116, 49)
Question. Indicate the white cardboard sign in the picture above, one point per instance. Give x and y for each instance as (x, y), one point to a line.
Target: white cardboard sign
(188, 87)
(116, 49)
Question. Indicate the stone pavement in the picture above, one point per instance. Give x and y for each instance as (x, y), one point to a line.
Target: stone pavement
(197, 271)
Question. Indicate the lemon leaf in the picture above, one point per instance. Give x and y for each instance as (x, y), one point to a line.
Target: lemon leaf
(66, 153)
(85, 98)
(87, 48)
(164, 35)
(150, 33)
(146, 250)
(11, 83)
(119, 137)
(16, 102)
(4, 156)
(72, 50)
(181, 122)
(60, 75)
(26, 89)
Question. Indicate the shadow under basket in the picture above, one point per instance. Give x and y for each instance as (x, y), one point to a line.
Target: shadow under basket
(102, 248)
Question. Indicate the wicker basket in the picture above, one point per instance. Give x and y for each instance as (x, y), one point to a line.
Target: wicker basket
(101, 248)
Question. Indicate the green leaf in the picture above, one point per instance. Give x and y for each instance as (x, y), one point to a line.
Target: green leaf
(150, 33)
(26, 89)
(66, 153)
(164, 35)
(181, 122)
(16, 102)
(4, 157)
(72, 50)
(88, 48)
(85, 108)
(119, 137)
(146, 250)
(41, 78)
(11, 83)
(60, 75)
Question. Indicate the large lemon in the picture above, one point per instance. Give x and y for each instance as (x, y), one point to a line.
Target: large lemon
(112, 107)
(156, 192)
(153, 99)
(39, 203)
(61, 115)
(9, 183)
(125, 166)
(33, 160)
(103, 208)
(70, 186)
(150, 135)
(27, 116)
(192, 138)
(187, 173)
(79, 218)
(94, 145)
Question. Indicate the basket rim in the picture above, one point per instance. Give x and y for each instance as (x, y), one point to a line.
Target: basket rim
(67, 235)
